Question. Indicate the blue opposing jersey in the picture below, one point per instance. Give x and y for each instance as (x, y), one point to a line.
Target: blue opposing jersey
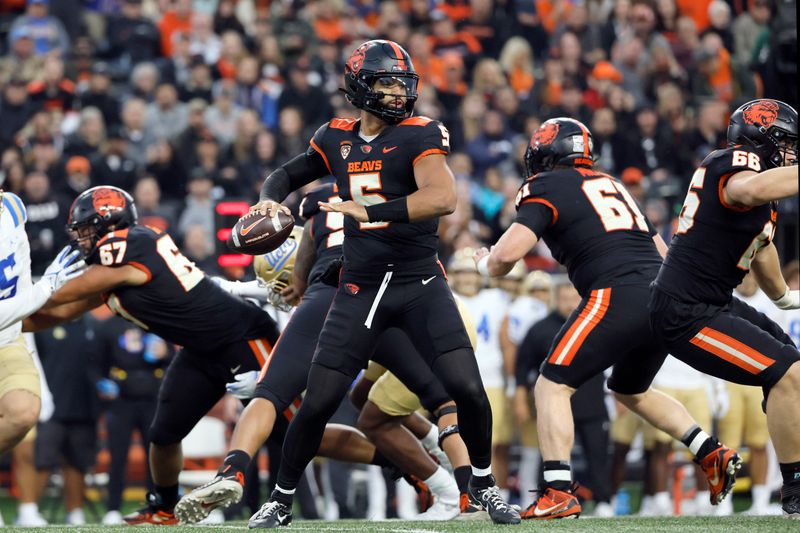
(592, 225)
(715, 242)
(372, 172)
(327, 229)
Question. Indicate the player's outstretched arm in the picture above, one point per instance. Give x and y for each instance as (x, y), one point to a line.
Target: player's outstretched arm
(766, 268)
(53, 316)
(514, 244)
(290, 176)
(751, 189)
(95, 281)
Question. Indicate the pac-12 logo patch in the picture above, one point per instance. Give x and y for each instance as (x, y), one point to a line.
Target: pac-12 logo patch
(345, 148)
(352, 288)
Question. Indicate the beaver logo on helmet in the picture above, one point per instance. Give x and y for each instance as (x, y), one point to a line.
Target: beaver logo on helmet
(761, 113)
(546, 134)
(356, 60)
(106, 200)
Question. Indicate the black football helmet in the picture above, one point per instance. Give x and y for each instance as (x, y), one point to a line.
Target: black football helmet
(377, 61)
(769, 126)
(559, 141)
(102, 209)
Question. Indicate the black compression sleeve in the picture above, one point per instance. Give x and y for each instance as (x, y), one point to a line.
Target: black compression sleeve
(293, 174)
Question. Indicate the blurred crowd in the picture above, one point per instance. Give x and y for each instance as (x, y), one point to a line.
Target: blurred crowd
(184, 102)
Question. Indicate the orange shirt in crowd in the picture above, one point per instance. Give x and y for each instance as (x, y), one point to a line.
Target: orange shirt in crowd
(520, 80)
(328, 29)
(697, 10)
(721, 80)
(550, 17)
(169, 24)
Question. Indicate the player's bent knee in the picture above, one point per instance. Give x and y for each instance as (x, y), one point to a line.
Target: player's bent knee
(20, 410)
(790, 381)
(629, 400)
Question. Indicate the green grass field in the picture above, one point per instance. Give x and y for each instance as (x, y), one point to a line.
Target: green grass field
(595, 525)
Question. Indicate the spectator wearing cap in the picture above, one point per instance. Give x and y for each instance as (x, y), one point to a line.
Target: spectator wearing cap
(633, 179)
(166, 117)
(21, 60)
(112, 166)
(132, 38)
(298, 92)
(78, 176)
(54, 92)
(99, 94)
(47, 32)
(15, 110)
(177, 19)
(47, 214)
(88, 139)
(603, 77)
(199, 203)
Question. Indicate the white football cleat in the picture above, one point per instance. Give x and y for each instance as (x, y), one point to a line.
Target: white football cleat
(440, 512)
(220, 493)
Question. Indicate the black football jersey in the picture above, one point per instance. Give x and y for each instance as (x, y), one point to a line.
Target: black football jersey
(326, 228)
(377, 171)
(179, 303)
(592, 225)
(715, 242)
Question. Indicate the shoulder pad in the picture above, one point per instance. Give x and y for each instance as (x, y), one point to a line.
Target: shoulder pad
(416, 121)
(15, 207)
(346, 124)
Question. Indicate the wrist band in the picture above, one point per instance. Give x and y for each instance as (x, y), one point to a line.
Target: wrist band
(392, 211)
(483, 266)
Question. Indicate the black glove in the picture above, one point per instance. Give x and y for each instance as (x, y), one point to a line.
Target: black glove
(331, 274)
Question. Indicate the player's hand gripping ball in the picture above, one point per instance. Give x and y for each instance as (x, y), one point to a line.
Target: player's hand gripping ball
(257, 234)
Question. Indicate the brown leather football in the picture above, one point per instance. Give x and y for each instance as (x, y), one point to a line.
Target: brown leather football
(257, 234)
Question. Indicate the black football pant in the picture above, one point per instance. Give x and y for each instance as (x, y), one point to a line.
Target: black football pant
(422, 306)
(122, 418)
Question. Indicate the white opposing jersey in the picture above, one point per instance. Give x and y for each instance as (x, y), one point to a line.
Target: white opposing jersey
(15, 258)
(488, 308)
(524, 312)
(675, 374)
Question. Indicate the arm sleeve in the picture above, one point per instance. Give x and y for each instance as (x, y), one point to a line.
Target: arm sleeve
(26, 302)
(298, 171)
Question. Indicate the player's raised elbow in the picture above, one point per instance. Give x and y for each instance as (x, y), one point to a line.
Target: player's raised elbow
(446, 201)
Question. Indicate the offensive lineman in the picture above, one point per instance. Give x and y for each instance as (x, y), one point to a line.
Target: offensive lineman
(725, 230)
(595, 228)
(392, 175)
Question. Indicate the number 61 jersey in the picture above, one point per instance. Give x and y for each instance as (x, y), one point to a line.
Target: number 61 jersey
(715, 242)
(592, 226)
(179, 303)
(373, 171)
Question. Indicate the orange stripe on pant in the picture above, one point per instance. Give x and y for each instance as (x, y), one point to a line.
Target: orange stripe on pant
(587, 320)
(731, 350)
(261, 349)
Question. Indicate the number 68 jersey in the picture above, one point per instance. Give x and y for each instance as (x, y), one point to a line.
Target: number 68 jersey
(715, 242)
(179, 303)
(592, 226)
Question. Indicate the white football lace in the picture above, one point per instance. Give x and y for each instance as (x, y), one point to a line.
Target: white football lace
(492, 495)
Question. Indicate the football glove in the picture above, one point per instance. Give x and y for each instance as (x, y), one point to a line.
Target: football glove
(63, 268)
(246, 289)
(789, 300)
(245, 385)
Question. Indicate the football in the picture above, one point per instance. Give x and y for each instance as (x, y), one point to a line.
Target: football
(257, 234)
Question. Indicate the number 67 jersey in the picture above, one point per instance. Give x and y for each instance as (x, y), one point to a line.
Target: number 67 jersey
(179, 303)
(715, 242)
(592, 226)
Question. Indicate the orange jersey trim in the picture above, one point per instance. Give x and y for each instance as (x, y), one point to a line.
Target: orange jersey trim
(415, 121)
(320, 152)
(731, 350)
(722, 181)
(143, 268)
(426, 153)
(346, 124)
(591, 315)
(261, 349)
(544, 202)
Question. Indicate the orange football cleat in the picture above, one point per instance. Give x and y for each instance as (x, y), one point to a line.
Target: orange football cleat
(720, 468)
(553, 504)
(148, 516)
